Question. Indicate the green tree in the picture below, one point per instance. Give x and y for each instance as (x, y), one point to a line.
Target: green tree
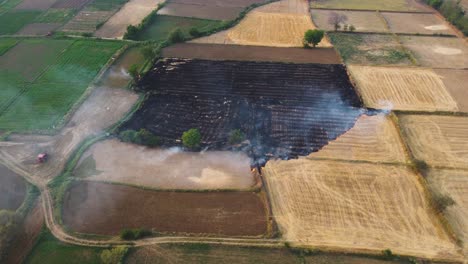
(133, 71)
(132, 32)
(149, 52)
(176, 36)
(313, 37)
(236, 136)
(147, 138)
(191, 138)
(194, 32)
(130, 136)
(114, 255)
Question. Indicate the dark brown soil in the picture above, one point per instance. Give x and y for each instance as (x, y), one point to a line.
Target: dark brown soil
(284, 109)
(251, 53)
(106, 209)
(12, 189)
(77, 4)
(38, 29)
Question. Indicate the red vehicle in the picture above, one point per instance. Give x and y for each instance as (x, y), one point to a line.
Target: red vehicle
(42, 157)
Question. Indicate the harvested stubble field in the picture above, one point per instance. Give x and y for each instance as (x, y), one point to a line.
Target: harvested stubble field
(417, 23)
(438, 52)
(390, 5)
(453, 183)
(266, 29)
(356, 207)
(200, 11)
(284, 110)
(373, 138)
(440, 141)
(12, 189)
(98, 208)
(363, 21)
(59, 75)
(115, 161)
(132, 13)
(455, 82)
(369, 49)
(161, 27)
(87, 21)
(251, 53)
(402, 89)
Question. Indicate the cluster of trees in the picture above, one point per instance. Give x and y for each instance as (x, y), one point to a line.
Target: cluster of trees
(141, 137)
(133, 234)
(114, 255)
(336, 20)
(453, 12)
(133, 31)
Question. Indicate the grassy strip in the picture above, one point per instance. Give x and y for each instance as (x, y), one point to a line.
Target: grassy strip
(453, 12)
(32, 193)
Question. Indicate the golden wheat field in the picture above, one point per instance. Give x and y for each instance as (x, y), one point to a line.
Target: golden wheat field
(440, 141)
(357, 207)
(373, 138)
(402, 88)
(455, 184)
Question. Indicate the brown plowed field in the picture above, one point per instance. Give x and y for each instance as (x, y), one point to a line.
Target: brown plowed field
(355, 207)
(231, 3)
(373, 138)
(455, 82)
(75, 4)
(115, 161)
(417, 23)
(201, 11)
(438, 52)
(86, 21)
(35, 4)
(132, 13)
(286, 6)
(38, 29)
(454, 183)
(402, 89)
(362, 21)
(441, 141)
(12, 189)
(106, 209)
(251, 53)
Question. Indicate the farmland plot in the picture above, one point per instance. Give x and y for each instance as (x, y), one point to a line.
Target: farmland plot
(454, 183)
(87, 21)
(38, 29)
(6, 44)
(441, 141)
(35, 4)
(362, 21)
(355, 207)
(455, 81)
(417, 23)
(115, 161)
(12, 189)
(117, 75)
(438, 52)
(99, 208)
(132, 13)
(14, 20)
(373, 138)
(390, 5)
(402, 89)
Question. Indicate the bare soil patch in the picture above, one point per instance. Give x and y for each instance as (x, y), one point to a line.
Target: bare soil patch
(402, 89)
(29, 233)
(286, 6)
(251, 53)
(454, 183)
(117, 75)
(355, 207)
(417, 23)
(201, 11)
(373, 138)
(99, 208)
(12, 189)
(35, 4)
(115, 161)
(438, 52)
(362, 21)
(38, 29)
(132, 13)
(441, 141)
(86, 21)
(75, 4)
(455, 82)
(232, 3)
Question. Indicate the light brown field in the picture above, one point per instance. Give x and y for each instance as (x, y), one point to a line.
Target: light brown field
(455, 81)
(417, 23)
(455, 184)
(362, 21)
(265, 27)
(86, 21)
(132, 13)
(402, 89)
(115, 161)
(373, 138)
(355, 207)
(438, 52)
(441, 141)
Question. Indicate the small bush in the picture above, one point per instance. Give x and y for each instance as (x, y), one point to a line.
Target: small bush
(421, 166)
(191, 138)
(194, 32)
(388, 254)
(148, 139)
(127, 234)
(176, 36)
(441, 202)
(236, 136)
(129, 136)
(113, 256)
(133, 234)
(132, 32)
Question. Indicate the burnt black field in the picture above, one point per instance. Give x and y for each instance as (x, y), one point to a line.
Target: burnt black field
(285, 110)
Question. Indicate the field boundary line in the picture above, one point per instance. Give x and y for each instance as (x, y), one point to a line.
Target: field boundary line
(371, 10)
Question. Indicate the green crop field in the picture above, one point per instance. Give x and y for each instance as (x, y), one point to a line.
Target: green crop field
(39, 103)
(162, 26)
(394, 5)
(55, 16)
(6, 5)
(6, 44)
(51, 251)
(12, 21)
